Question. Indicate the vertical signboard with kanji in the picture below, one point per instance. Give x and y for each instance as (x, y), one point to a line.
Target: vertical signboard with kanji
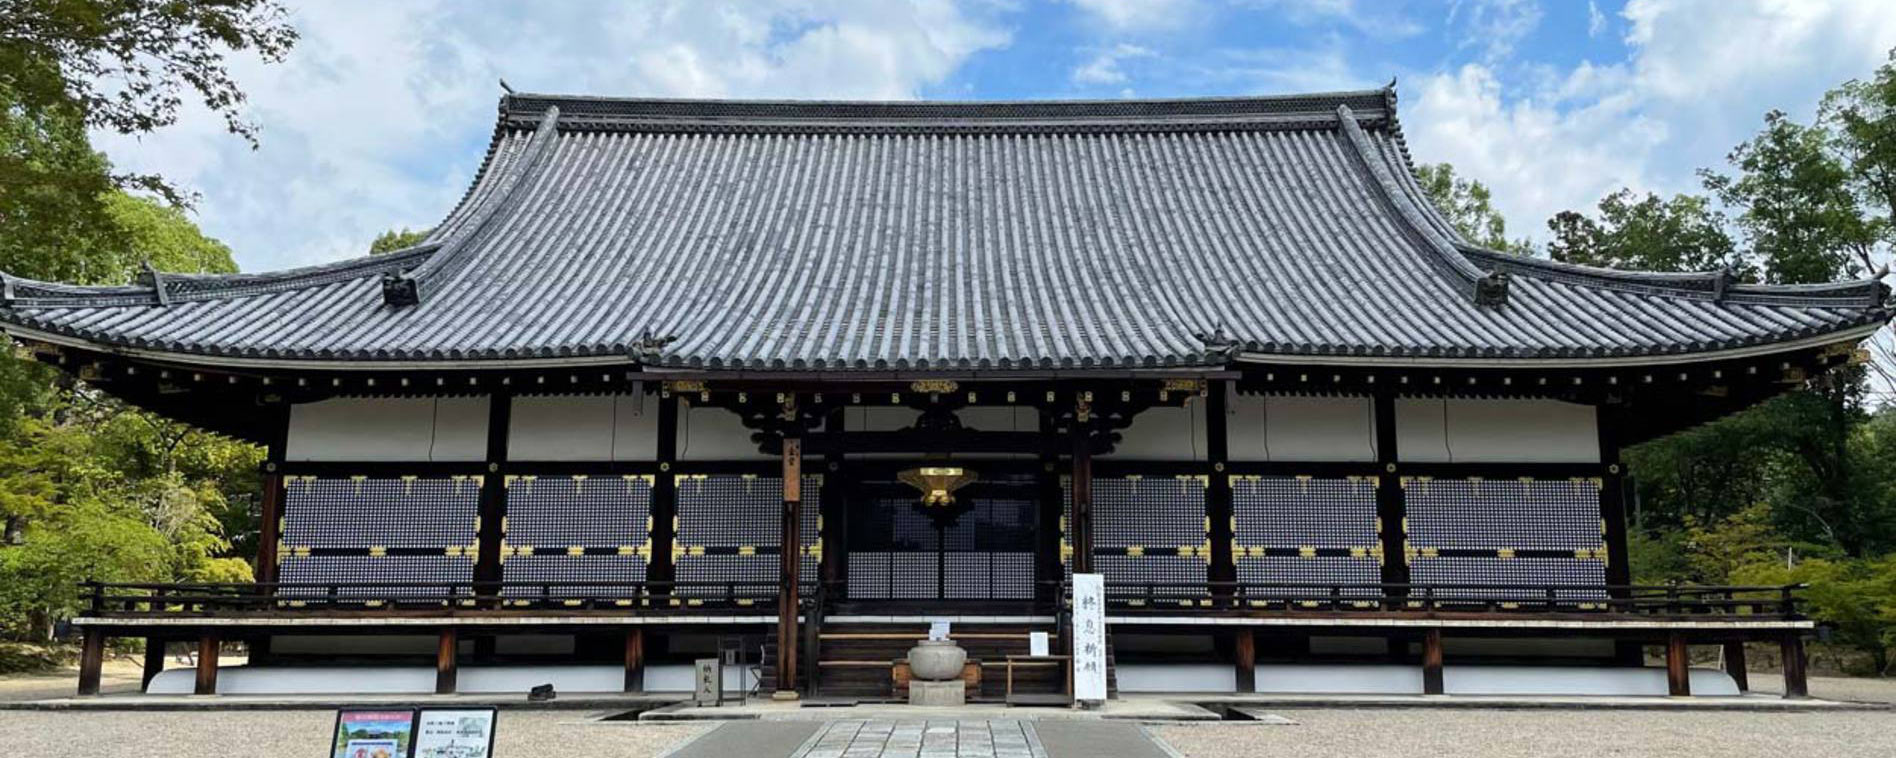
(1089, 637)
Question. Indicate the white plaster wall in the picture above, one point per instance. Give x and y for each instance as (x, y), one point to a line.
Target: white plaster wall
(714, 434)
(1496, 430)
(388, 429)
(1165, 434)
(1299, 428)
(375, 680)
(394, 644)
(1176, 677)
(1317, 678)
(1484, 680)
(583, 428)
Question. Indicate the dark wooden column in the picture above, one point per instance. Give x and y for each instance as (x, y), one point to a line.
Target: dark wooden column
(1735, 665)
(269, 524)
(1432, 662)
(493, 499)
(91, 660)
(1613, 484)
(1049, 565)
(154, 662)
(635, 659)
(208, 645)
(788, 546)
(1391, 510)
(1081, 487)
(660, 570)
(1796, 678)
(1223, 568)
(1244, 657)
(447, 649)
(1678, 671)
(835, 512)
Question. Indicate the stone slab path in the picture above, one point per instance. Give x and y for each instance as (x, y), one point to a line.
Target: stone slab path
(926, 738)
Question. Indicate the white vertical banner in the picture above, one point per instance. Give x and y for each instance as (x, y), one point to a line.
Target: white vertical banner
(1089, 637)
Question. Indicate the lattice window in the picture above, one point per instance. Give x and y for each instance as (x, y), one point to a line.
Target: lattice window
(986, 552)
(1146, 530)
(1508, 531)
(1306, 530)
(728, 533)
(577, 529)
(360, 529)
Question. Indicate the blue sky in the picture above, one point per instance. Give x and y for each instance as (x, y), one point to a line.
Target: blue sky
(380, 116)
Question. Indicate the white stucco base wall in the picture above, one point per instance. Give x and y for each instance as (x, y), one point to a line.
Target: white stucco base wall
(1360, 679)
(419, 680)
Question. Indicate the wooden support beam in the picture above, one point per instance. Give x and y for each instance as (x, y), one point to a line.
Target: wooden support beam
(1082, 495)
(1244, 657)
(1049, 565)
(1218, 508)
(1390, 506)
(154, 662)
(493, 498)
(1678, 671)
(1613, 485)
(269, 524)
(1432, 661)
(789, 545)
(1735, 665)
(664, 507)
(1796, 677)
(447, 672)
(91, 660)
(208, 647)
(635, 659)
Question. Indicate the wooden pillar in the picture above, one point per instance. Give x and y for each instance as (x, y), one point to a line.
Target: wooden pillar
(447, 673)
(1432, 662)
(1244, 657)
(1613, 485)
(1223, 570)
(1049, 564)
(1735, 665)
(1391, 510)
(154, 662)
(269, 525)
(208, 646)
(493, 500)
(1796, 678)
(788, 549)
(834, 512)
(91, 660)
(1678, 671)
(660, 571)
(635, 659)
(1082, 489)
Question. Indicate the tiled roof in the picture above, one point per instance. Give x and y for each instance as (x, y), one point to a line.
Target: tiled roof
(941, 236)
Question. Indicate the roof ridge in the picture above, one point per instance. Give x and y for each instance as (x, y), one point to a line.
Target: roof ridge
(1715, 285)
(1485, 288)
(401, 288)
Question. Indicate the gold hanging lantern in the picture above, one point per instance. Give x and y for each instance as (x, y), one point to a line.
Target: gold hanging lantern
(937, 483)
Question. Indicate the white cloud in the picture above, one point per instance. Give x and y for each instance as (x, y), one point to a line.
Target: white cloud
(1103, 67)
(1596, 21)
(1142, 15)
(1699, 77)
(1377, 19)
(1493, 26)
(380, 115)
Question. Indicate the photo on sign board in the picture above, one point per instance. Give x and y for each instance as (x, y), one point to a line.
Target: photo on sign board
(455, 733)
(372, 734)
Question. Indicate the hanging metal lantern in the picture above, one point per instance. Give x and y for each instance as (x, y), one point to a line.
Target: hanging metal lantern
(938, 483)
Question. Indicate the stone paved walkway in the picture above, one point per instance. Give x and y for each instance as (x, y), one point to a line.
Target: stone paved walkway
(1000, 738)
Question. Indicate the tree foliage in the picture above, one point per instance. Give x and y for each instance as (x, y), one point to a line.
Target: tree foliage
(1469, 207)
(393, 240)
(1684, 233)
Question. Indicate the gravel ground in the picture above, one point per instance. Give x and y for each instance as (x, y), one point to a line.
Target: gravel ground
(522, 734)
(1833, 688)
(118, 675)
(1476, 734)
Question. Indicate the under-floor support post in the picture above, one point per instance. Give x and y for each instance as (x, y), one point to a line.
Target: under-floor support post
(91, 660)
(154, 662)
(1735, 665)
(1244, 657)
(1432, 661)
(447, 674)
(1796, 679)
(634, 659)
(208, 646)
(1678, 671)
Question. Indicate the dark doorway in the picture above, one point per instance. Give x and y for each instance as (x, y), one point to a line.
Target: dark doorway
(980, 547)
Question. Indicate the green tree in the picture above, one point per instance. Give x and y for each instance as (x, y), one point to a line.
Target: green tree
(1646, 233)
(1797, 204)
(1862, 115)
(393, 240)
(1469, 207)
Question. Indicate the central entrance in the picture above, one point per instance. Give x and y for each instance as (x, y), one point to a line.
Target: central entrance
(979, 547)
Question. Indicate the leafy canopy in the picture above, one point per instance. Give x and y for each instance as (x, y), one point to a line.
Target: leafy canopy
(1468, 205)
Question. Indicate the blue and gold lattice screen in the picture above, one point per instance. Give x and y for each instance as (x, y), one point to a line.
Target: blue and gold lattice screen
(728, 533)
(577, 529)
(1507, 531)
(1305, 530)
(350, 530)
